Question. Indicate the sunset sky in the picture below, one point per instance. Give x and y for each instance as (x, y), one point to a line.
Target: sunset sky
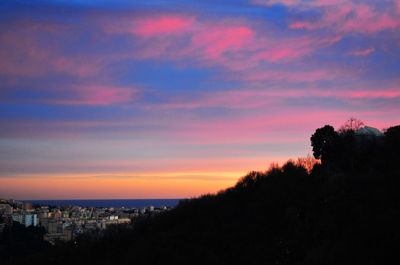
(172, 99)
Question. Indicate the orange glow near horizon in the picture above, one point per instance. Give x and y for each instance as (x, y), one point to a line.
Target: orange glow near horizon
(118, 187)
(131, 185)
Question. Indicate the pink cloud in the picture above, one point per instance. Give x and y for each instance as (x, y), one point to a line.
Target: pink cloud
(324, 3)
(292, 48)
(234, 44)
(363, 52)
(281, 53)
(301, 25)
(103, 95)
(346, 16)
(374, 94)
(215, 40)
(20, 56)
(299, 3)
(256, 99)
(208, 41)
(81, 65)
(161, 25)
(24, 54)
(366, 20)
(268, 3)
(97, 95)
(291, 76)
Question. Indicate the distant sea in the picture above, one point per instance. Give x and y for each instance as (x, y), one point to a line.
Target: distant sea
(131, 203)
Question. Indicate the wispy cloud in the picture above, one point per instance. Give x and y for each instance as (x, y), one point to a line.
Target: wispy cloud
(96, 95)
(235, 45)
(343, 16)
(364, 52)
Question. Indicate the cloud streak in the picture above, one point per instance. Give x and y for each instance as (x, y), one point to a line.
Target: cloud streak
(235, 45)
(97, 95)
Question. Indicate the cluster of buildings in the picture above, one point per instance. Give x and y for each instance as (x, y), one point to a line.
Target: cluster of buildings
(66, 222)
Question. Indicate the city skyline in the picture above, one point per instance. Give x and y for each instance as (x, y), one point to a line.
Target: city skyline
(156, 100)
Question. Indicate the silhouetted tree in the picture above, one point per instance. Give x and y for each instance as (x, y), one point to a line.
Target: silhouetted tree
(323, 142)
(346, 149)
(248, 180)
(392, 136)
(392, 145)
(307, 162)
(352, 124)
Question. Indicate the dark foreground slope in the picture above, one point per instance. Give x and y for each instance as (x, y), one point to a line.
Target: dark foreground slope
(334, 215)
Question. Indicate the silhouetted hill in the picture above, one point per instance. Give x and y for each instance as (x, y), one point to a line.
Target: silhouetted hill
(345, 211)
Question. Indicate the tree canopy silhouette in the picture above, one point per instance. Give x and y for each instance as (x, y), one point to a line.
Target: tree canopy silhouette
(323, 141)
(352, 124)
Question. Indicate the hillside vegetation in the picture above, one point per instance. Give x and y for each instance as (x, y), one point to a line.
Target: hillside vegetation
(343, 211)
